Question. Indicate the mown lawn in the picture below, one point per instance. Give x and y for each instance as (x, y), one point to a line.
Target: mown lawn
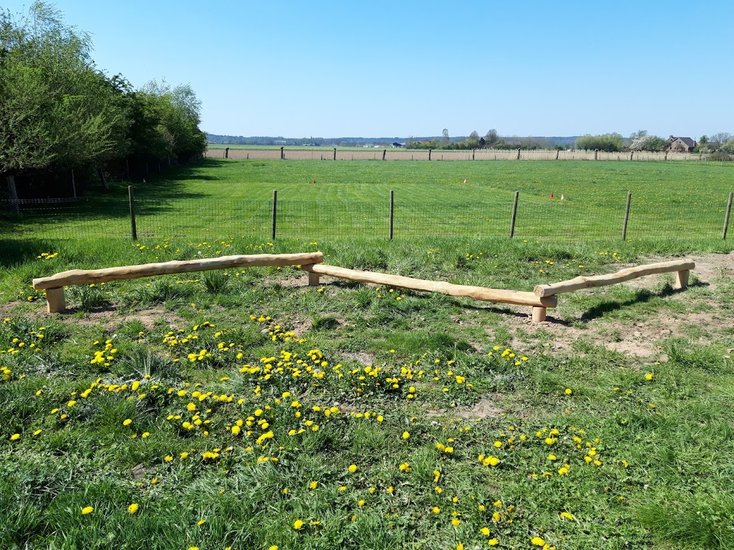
(328, 200)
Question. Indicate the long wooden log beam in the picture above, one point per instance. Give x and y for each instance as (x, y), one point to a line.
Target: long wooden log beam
(475, 292)
(80, 276)
(680, 266)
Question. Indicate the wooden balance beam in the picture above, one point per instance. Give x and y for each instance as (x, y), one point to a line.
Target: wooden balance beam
(681, 268)
(54, 285)
(516, 297)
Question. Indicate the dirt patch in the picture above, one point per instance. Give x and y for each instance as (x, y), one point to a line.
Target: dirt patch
(111, 318)
(367, 359)
(642, 337)
(487, 407)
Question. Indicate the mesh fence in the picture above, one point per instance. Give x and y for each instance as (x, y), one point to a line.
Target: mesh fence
(202, 219)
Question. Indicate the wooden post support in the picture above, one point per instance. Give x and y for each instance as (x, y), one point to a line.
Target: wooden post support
(334, 153)
(384, 152)
(391, 231)
(596, 154)
(131, 205)
(429, 154)
(727, 215)
(282, 153)
(539, 314)
(681, 279)
(557, 152)
(313, 278)
(73, 183)
(55, 302)
(514, 214)
(626, 216)
(275, 214)
(518, 153)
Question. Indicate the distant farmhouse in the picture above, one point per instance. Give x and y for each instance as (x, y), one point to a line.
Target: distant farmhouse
(681, 144)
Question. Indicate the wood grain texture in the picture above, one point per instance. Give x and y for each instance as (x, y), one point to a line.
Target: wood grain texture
(627, 274)
(80, 276)
(475, 292)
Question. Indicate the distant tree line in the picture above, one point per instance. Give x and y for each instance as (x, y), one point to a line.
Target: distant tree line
(59, 113)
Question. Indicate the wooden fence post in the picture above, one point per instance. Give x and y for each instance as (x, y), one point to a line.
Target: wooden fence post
(282, 153)
(518, 153)
(514, 214)
(626, 216)
(73, 183)
(334, 153)
(384, 152)
(429, 154)
(392, 214)
(557, 151)
(131, 205)
(275, 213)
(727, 215)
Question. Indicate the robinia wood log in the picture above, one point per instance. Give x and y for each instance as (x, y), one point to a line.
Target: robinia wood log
(680, 266)
(475, 292)
(80, 276)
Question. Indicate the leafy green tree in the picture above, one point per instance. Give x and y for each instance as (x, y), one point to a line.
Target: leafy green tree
(603, 142)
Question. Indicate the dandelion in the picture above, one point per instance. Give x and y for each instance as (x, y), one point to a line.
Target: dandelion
(133, 508)
(127, 422)
(87, 510)
(406, 435)
(456, 522)
(404, 467)
(352, 468)
(484, 531)
(313, 484)
(493, 542)
(436, 510)
(567, 515)
(568, 391)
(201, 522)
(649, 376)
(537, 541)
(15, 437)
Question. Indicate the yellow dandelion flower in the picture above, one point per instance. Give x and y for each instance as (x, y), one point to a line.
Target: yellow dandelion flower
(436, 510)
(352, 468)
(127, 422)
(649, 376)
(484, 531)
(567, 515)
(568, 391)
(537, 541)
(406, 435)
(133, 508)
(456, 522)
(15, 437)
(87, 510)
(493, 542)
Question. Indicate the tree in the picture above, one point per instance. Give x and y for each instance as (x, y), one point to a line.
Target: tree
(603, 142)
(491, 137)
(57, 110)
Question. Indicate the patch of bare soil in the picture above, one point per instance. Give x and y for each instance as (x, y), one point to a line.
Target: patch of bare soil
(487, 407)
(112, 319)
(367, 359)
(642, 337)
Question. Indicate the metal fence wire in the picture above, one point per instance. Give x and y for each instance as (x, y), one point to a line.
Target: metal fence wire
(197, 219)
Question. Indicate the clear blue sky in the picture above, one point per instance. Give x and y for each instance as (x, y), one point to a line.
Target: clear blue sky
(411, 68)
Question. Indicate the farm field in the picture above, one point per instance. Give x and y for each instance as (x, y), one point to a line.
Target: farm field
(244, 409)
(318, 200)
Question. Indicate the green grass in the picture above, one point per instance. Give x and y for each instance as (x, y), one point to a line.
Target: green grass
(230, 199)
(642, 444)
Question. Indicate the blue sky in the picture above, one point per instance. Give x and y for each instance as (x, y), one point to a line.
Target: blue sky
(411, 68)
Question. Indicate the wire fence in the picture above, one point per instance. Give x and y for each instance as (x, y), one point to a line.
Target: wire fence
(524, 216)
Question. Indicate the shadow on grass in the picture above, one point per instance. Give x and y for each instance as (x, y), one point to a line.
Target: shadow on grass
(158, 195)
(641, 296)
(16, 252)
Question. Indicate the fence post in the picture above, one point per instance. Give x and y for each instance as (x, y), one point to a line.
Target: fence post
(514, 214)
(384, 152)
(131, 205)
(275, 213)
(727, 216)
(334, 153)
(392, 214)
(282, 153)
(626, 216)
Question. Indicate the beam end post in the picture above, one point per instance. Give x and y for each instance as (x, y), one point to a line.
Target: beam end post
(55, 301)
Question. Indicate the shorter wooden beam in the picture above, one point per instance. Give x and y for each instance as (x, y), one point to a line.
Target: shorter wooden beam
(80, 277)
(613, 278)
(475, 292)
(55, 301)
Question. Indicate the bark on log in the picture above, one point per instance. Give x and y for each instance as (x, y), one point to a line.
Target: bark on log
(475, 292)
(613, 278)
(79, 276)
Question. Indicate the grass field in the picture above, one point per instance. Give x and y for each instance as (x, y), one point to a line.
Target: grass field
(320, 200)
(244, 409)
